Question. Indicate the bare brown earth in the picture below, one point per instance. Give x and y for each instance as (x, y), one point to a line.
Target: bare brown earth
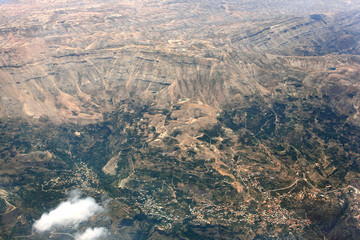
(198, 119)
(74, 60)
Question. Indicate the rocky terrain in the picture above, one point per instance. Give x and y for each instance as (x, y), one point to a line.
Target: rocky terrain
(194, 119)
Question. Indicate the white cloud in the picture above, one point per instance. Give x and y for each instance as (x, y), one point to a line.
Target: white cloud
(70, 213)
(92, 234)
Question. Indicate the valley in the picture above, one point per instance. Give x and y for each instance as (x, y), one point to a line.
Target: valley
(187, 120)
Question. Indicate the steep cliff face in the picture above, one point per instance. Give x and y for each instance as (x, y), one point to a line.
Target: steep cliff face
(69, 61)
(316, 34)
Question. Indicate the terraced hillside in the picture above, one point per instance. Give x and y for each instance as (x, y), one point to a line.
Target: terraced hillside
(190, 119)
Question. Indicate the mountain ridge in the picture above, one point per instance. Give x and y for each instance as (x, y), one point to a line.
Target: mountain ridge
(207, 119)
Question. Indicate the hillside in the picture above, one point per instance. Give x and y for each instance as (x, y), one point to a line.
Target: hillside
(190, 119)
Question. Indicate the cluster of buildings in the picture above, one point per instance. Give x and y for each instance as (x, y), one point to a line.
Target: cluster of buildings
(274, 214)
(206, 212)
(266, 210)
(158, 210)
(83, 178)
(355, 207)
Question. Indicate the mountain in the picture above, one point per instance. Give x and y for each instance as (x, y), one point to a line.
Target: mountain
(191, 119)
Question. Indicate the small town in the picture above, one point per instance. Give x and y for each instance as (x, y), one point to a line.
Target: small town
(268, 212)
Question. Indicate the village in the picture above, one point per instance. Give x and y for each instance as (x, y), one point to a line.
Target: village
(267, 212)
